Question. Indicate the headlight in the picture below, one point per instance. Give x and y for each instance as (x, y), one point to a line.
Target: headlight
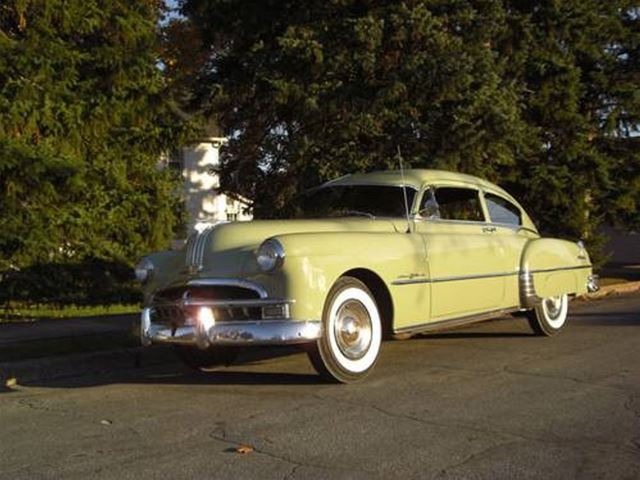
(270, 255)
(144, 270)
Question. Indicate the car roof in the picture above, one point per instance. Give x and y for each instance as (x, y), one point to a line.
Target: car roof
(413, 177)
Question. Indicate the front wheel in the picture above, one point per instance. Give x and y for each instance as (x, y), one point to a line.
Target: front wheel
(352, 333)
(550, 316)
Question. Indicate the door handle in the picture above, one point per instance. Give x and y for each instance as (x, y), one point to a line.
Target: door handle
(488, 229)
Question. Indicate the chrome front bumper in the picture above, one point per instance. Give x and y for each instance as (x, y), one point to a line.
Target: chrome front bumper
(593, 283)
(246, 332)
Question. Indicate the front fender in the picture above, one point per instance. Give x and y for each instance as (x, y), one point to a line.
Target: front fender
(314, 261)
(166, 264)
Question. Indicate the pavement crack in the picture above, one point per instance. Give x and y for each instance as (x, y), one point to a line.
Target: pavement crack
(291, 473)
(632, 405)
(471, 428)
(39, 406)
(471, 458)
(220, 434)
(509, 437)
(511, 371)
(413, 418)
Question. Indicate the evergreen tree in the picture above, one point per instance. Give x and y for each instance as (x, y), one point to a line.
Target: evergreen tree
(578, 63)
(311, 90)
(540, 95)
(83, 123)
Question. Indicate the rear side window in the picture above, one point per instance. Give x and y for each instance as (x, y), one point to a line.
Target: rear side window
(459, 204)
(502, 210)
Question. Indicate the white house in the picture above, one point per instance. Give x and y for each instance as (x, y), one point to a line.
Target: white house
(205, 203)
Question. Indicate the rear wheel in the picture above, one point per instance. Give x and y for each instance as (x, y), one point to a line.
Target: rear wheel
(352, 333)
(550, 316)
(206, 359)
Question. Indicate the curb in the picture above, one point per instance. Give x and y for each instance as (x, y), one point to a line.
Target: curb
(82, 364)
(615, 289)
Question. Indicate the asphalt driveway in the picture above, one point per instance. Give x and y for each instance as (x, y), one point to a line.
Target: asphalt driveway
(490, 401)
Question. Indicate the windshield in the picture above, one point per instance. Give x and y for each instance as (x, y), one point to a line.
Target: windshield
(354, 200)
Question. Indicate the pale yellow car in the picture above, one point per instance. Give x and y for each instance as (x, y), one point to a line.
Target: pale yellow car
(367, 257)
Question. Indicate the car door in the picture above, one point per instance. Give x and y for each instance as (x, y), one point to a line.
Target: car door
(462, 253)
(511, 234)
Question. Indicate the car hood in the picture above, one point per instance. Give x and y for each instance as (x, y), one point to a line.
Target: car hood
(228, 249)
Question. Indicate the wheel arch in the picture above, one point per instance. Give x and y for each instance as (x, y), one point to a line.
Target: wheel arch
(381, 295)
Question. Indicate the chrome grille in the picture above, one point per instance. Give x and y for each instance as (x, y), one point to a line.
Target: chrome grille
(168, 308)
(219, 292)
(168, 315)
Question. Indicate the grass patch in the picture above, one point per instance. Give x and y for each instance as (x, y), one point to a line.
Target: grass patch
(24, 313)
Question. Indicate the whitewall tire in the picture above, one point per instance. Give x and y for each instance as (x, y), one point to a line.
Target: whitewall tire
(352, 333)
(550, 316)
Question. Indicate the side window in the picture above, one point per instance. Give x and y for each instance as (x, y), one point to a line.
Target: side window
(457, 204)
(502, 211)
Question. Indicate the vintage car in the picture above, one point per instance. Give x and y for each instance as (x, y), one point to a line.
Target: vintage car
(366, 257)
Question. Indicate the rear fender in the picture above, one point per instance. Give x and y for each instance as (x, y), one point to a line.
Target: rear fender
(551, 267)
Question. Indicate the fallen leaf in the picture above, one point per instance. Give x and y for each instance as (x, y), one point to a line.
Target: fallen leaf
(11, 382)
(106, 422)
(244, 449)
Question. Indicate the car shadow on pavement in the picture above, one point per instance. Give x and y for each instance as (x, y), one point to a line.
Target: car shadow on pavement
(463, 334)
(500, 327)
(283, 365)
(176, 376)
(234, 377)
(248, 369)
(605, 319)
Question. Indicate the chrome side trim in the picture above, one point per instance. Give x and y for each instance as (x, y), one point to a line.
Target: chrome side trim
(228, 282)
(528, 296)
(445, 221)
(411, 281)
(473, 277)
(558, 269)
(189, 248)
(251, 332)
(196, 247)
(456, 322)
(145, 327)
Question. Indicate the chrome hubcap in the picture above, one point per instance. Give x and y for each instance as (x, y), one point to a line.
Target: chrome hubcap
(553, 306)
(352, 329)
